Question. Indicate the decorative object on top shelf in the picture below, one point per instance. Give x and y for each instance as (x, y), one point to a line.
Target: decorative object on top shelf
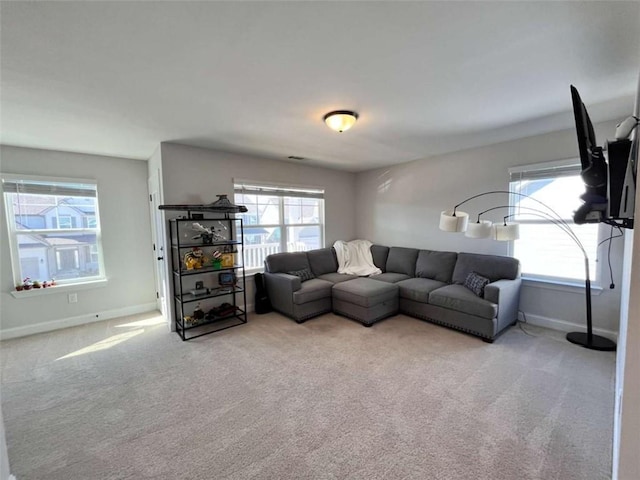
(209, 234)
(222, 205)
(457, 221)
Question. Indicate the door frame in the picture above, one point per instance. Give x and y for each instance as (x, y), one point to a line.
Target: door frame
(159, 251)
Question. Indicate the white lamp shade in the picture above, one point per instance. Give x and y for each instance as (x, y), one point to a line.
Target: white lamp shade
(479, 230)
(451, 223)
(505, 233)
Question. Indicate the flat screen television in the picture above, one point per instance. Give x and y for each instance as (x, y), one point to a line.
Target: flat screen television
(609, 184)
(594, 166)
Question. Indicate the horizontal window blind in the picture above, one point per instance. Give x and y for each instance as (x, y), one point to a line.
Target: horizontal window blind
(545, 171)
(48, 188)
(248, 189)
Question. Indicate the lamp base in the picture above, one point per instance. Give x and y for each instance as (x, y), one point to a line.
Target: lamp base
(597, 342)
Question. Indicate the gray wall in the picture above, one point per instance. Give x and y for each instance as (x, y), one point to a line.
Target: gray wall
(197, 175)
(401, 206)
(126, 240)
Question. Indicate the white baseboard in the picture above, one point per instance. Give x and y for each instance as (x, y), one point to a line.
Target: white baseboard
(563, 325)
(75, 321)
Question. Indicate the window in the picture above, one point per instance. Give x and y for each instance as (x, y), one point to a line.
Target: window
(545, 251)
(54, 229)
(279, 219)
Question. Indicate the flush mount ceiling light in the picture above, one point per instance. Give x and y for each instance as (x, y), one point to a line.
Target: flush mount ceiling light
(340, 120)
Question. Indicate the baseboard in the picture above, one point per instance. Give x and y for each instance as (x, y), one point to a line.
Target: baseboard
(75, 321)
(563, 325)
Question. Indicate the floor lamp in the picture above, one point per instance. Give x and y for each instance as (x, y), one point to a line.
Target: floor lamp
(457, 221)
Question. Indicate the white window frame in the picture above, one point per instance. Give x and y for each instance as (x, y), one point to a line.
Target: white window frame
(567, 167)
(59, 217)
(281, 191)
(13, 232)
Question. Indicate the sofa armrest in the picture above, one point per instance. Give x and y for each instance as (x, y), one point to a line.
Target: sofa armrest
(280, 288)
(506, 294)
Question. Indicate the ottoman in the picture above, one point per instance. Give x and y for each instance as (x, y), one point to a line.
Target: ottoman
(365, 300)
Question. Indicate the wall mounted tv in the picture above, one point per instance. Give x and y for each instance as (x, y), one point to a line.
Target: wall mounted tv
(609, 172)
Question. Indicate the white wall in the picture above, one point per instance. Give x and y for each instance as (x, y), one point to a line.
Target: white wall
(197, 175)
(401, 206)
(629, 460)
(5, 472)
(126, 240)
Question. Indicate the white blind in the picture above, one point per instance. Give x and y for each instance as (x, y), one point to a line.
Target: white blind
(540, 171)
(36, 187)
(251, 188)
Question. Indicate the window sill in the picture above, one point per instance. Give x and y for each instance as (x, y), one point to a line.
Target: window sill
(70, 287)
(560, 286)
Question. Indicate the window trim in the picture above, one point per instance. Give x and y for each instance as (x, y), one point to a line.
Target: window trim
(565, 168)
(282, 190)
(13, 232)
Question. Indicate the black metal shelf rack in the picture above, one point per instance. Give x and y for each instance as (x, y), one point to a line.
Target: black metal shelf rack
(217, 316)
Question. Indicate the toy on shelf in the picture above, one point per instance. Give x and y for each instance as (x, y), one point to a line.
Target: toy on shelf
(194, 259)
(209, 234)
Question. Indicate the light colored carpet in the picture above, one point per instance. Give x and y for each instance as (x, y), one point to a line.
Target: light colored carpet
(328, 399)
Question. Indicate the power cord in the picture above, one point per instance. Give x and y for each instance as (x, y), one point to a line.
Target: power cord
(610, 240)
(524, 318)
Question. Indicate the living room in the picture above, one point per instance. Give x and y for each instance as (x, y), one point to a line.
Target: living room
(395, 203)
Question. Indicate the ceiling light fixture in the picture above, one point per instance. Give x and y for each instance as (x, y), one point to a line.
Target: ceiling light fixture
(340, 120)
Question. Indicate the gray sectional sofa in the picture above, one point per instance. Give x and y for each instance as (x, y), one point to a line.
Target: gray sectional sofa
(426, 284)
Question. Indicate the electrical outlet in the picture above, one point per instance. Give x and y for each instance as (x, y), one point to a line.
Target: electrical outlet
(73, 298)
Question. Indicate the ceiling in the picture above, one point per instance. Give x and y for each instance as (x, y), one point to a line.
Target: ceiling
(118, 78)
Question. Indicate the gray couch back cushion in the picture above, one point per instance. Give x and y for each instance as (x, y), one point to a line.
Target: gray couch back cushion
(436, 265)
(494, 267)
(402, 260)
(286, 262)
(380, 254)
(322, 260)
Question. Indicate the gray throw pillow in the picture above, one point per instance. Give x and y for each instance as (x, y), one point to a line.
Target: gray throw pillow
(304, 274)
(476, 283)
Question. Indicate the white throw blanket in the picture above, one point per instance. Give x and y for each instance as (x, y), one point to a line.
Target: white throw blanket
(355, 257)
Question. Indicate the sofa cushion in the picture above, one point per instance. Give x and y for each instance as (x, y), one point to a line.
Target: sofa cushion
(311, 290)
(402, 260)
(336, 277)
(418, 289)
(286, 262)
(365, 292)
(476, 283)
(461, 299)
(390, 277)
(380, 254)
(436, 265)
(304, 274)
(322, 260)
(494, 267)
